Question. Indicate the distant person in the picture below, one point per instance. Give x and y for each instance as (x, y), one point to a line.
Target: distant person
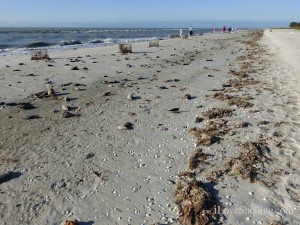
(215, 30)
(229, 30)
(180, 32)
(191, 30)
(223, 29)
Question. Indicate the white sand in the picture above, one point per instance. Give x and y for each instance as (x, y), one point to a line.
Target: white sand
(85, 168)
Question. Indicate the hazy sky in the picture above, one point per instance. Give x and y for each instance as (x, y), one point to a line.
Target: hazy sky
(146, 12)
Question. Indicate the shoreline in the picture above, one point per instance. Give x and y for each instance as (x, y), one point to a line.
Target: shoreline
(86, 168)
(11, 65)
(81, 38)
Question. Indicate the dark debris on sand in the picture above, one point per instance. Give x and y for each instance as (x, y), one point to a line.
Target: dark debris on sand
(211, 133)
(196, 202)
(214, 113)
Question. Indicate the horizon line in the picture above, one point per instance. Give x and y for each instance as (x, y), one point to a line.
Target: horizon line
(150, 24)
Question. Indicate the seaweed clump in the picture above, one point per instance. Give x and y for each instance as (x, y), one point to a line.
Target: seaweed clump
(214, 113)
(250, 162)
(196, 203)
(211, 133)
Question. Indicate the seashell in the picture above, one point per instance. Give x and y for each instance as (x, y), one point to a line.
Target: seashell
(188, 96)
(66, 99)
(65, 107)
(121, 128)
(130, 97)
(50, 90)
(76, 88)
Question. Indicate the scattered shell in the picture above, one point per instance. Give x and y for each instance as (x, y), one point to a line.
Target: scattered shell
(188, 96)
(66, 99)
(65, 107)
(50, 90)
(130, 97)
(126, 126)
(90, 155)
(76, 88)
(121, 128)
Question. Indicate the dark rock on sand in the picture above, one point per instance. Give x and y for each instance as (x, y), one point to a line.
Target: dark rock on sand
(174, 110)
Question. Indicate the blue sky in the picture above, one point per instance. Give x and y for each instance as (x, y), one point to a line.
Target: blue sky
(150, 13)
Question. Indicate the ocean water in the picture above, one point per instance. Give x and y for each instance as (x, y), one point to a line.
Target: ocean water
(15, 41)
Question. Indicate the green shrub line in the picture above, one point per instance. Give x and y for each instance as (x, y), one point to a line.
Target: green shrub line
(294, 25)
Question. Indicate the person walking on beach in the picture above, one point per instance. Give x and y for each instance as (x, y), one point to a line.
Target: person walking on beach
(180, 32)
(223, 29)
(191, 31)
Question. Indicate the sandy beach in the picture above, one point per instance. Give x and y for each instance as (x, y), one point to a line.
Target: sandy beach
(201, 130)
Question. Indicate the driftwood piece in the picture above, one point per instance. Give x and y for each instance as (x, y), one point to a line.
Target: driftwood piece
(39, 54)
(154, 43)
(125, 48)
(49, 92)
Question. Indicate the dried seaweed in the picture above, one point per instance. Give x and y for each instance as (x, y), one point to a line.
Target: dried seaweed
(196, 158)
(203, 139)
(214, 113)
(211, 133)
(195, 201)
(277, 223)
(198, 119)
(240, 102)
(71, 222)
(250, 161)
(232, 100)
